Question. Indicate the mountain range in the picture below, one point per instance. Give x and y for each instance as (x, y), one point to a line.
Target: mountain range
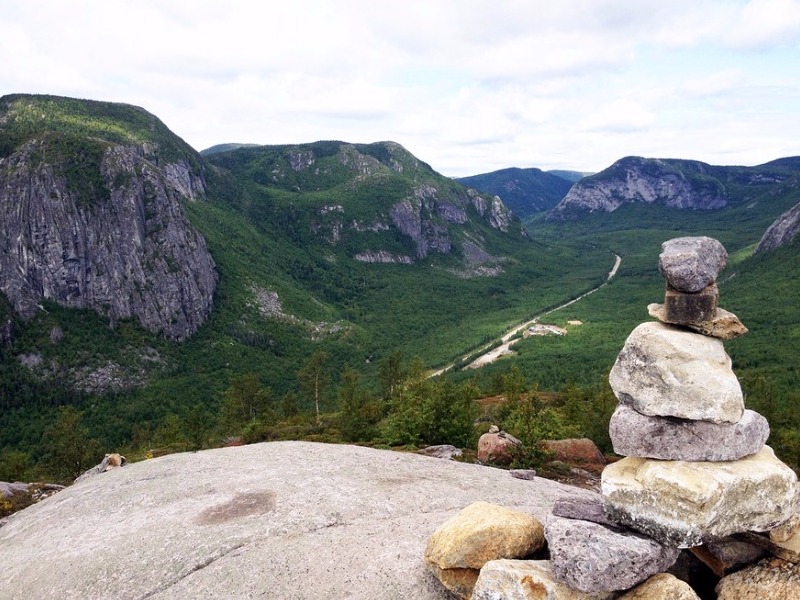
(140, 277)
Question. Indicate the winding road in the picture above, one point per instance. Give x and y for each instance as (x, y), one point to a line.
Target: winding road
(506, 340)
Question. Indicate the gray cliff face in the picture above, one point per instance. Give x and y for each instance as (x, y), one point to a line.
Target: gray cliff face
(782, 231)
(132, 254)
(413, 217)
(649, 181)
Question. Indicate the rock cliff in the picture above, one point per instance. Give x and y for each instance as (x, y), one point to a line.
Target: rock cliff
(782, 231)
(676, 184)
(92, 218)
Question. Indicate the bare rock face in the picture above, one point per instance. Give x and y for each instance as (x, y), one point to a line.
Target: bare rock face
(526, 580)
(782, 231)
(642, 180)
(277, 520)
(665, 371)
(668, 438)
(684, 503)
(132, 254)
(689, 264)
(593, 558)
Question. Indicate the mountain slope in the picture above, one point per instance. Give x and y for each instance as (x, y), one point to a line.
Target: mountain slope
(373, 202)
(524, 191)
(91, 209)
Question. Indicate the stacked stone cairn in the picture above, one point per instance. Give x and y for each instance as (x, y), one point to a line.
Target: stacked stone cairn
(696, 475)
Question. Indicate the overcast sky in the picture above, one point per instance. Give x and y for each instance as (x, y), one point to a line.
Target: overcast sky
(468, 86)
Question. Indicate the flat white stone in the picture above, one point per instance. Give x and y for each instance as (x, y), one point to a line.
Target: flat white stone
(684, 503)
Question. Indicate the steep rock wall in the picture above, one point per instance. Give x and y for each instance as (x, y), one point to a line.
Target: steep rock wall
(130, 254)
(782, 231)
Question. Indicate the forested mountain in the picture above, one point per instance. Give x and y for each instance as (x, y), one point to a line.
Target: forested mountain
(158, 298)
(524, 191)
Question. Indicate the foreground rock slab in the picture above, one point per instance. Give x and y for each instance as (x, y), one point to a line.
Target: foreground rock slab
(525, 580)
(684, 503)
(276, 520)
(593, 558)
(665, 438)
(665, 371)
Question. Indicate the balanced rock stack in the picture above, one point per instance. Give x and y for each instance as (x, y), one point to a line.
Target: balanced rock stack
(696, 474)
(697, 467)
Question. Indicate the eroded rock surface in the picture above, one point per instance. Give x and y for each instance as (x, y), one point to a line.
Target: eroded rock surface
(132, 254)
(281, 520)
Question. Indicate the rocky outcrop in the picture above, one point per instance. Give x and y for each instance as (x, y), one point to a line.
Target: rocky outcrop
(782, 231)
(278, 519)
(130, 254)
(674, 184)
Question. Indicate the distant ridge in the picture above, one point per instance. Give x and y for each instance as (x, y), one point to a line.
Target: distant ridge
(524, 191)
(217, 148)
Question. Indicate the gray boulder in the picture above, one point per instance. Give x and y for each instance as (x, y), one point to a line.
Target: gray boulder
(592, 558)
(691, 263)
(274, 520)
(667, 438)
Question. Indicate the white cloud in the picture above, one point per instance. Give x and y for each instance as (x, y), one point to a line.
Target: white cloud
(467, 85)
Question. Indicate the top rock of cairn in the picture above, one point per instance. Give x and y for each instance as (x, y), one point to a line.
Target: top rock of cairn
(691, 266)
